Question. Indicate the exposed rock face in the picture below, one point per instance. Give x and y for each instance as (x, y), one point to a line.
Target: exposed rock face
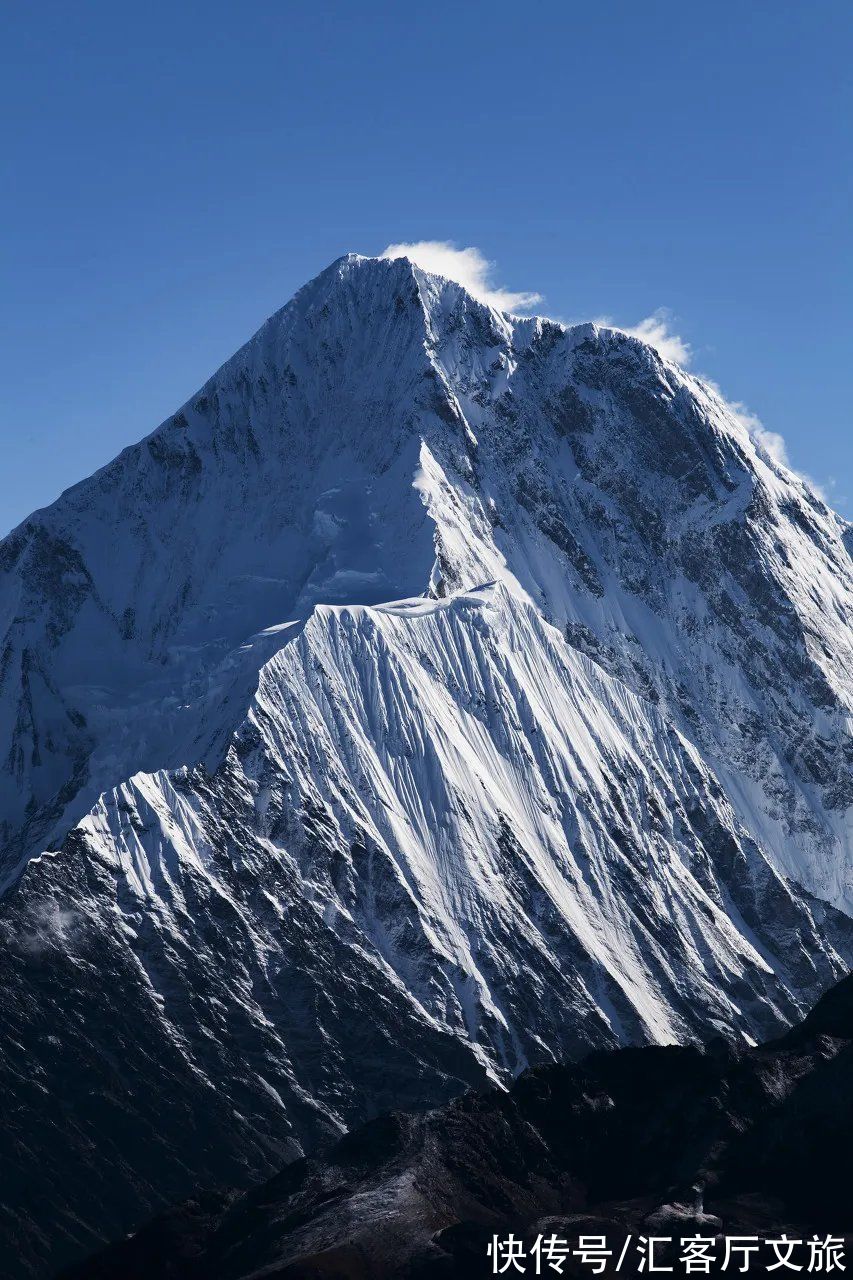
(672, 1142)
(437, 693)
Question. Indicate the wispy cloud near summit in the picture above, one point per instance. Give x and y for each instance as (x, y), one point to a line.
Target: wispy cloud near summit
(656, 330)
(468, 267)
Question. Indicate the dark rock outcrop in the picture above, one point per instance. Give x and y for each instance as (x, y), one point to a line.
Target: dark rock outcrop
(652, 1141)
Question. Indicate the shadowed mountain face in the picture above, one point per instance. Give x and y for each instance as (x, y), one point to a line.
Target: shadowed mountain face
(669, 1142)
(436, 694)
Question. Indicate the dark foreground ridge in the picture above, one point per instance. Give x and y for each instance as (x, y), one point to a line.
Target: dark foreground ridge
(656, 1141)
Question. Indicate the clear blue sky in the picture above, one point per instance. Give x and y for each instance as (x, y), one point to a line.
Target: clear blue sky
(174, 171)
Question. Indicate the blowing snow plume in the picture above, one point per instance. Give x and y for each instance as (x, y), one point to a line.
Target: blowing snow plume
(468, 267)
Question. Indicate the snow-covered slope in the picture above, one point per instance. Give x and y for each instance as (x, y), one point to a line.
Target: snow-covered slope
(435, 693)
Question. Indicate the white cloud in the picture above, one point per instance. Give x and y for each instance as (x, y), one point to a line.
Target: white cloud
(467, 267)
(774, 446)
(656, 331)
(771, 443)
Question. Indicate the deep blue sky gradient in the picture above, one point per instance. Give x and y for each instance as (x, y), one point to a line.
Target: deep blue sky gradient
(173, 172)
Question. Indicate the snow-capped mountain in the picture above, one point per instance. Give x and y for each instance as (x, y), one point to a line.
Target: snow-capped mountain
(436, 693)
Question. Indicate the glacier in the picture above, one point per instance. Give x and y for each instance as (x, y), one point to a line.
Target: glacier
(436, 693)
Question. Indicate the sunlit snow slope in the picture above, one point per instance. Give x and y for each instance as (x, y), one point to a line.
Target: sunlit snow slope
(436, 693)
